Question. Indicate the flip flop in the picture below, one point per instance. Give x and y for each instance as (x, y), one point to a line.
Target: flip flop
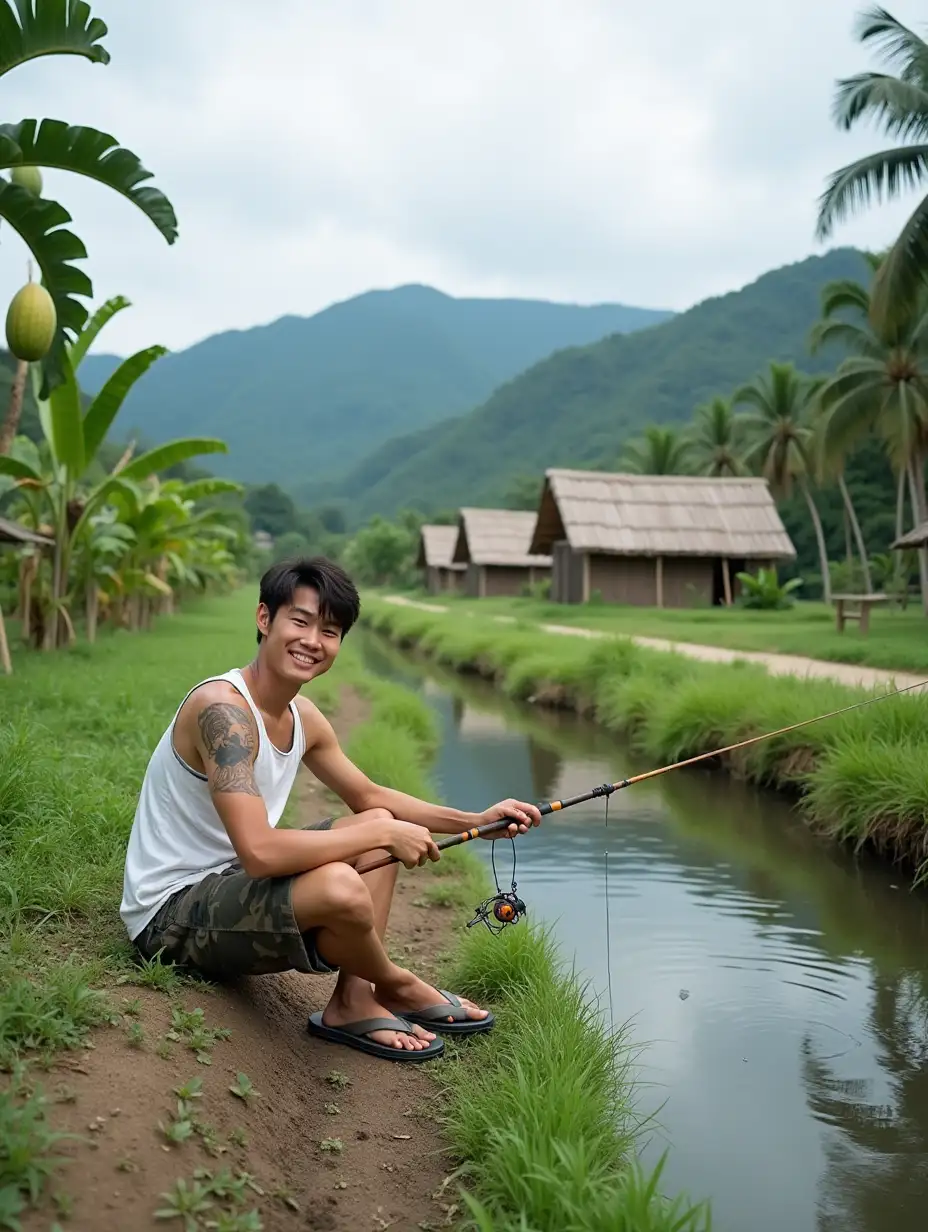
(353, 1034)
(434, 1017)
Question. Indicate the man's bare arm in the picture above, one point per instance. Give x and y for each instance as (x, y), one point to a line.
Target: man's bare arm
(227, 741)
(332, 766)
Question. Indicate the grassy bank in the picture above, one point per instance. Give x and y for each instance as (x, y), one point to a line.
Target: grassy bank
(897, 640)
(76, 733)
(861, 778)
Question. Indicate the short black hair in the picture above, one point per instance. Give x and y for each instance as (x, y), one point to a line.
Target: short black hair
(338, 596)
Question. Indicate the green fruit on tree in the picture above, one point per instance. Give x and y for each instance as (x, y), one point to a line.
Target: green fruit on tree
(28, 177)
(31, 321)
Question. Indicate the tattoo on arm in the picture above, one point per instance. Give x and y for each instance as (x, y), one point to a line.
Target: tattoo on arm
(229, 740)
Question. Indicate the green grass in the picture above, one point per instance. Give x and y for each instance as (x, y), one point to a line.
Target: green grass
(542, 1111)
(77, 730)
(861, 778)
(897, 640)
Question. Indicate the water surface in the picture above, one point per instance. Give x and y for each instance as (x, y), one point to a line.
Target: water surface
(780, 987)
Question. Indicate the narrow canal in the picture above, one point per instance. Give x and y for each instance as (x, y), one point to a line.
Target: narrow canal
(777, 990)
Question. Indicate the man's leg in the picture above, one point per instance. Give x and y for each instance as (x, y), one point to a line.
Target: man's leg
(357, 993)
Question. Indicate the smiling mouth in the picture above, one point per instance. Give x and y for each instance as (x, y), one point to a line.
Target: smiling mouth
(304, 660)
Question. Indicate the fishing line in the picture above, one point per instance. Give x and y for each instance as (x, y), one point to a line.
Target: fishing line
(608, 929)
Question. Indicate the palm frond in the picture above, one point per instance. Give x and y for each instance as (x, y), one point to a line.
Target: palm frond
(94, 154)
(901, 279)
(901, 47)
(874, 177)
(900, 108)
(33, 28)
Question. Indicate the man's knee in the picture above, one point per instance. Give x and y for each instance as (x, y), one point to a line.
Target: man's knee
(333, 894)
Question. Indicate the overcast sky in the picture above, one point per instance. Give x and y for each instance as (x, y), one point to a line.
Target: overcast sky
(576, 150)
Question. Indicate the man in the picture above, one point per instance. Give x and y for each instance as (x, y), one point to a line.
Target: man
(213, 884)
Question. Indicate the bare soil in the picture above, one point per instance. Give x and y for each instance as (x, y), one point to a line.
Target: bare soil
(335, 1141)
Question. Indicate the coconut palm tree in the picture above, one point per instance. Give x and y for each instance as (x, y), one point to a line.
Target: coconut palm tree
(898, 102)
(780, 440)
(881, 386)
(716, 440)
(658, 451)
(30, 29)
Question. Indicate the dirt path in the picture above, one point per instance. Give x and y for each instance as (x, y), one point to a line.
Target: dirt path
(777, 664)
(335, 1141)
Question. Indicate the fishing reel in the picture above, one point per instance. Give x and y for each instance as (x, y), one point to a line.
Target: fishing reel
(499, 911)
(502, 908)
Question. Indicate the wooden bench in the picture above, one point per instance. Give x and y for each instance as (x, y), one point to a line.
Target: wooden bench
(856, 607)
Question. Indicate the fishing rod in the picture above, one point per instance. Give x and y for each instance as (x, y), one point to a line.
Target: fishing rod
(606, 789)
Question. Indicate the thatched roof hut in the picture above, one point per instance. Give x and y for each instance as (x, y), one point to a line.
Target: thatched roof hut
(436, 546)
(495, 546)
(655, 539)
(916, 538)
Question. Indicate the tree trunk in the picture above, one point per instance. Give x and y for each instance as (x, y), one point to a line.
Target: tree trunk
(93, 608)
(916, 471)
(820, 540)
(850, 514)
(15, 410)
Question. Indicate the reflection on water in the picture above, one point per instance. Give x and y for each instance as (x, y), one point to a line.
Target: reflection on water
(790, 1078)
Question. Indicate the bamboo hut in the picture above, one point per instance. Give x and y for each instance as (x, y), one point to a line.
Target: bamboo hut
(655, 540)
(494, 545)
(14, 533)
(436, 547)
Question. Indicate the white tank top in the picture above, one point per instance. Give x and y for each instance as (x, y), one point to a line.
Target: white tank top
(177, 836)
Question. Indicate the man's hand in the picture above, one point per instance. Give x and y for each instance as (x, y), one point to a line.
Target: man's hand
(411, 844)
(523, 815)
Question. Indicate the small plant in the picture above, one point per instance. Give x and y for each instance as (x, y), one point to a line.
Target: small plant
(193, 1089)
(189, 1027)
(152, 973)
(764, 592)
(238, 1137)
(332, 1109)
(135, 1034)
(186, 1202)
(243, 1088)
(335, 1078)
(333, 1145)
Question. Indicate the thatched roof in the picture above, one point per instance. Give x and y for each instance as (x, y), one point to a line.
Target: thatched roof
(660, 515)
(13, 532)
(497, 537)
(436, 545)
(914, 538)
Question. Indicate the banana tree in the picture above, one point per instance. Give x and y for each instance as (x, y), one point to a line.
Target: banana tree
(73, 440)
(166, 529)
(30, 29)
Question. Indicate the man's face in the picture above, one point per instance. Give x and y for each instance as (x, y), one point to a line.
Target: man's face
(299, 644)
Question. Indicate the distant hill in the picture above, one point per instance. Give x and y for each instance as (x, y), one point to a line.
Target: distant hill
(304, 398)
(579, 405)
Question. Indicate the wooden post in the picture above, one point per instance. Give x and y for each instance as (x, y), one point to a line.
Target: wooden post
(586, 577)
(659, 579)
(5, 661)
(726, 581)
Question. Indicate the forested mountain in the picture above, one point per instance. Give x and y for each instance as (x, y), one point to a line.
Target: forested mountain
(579, 405)
(303, 399)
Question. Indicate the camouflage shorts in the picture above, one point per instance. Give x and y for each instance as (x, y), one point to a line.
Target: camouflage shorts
(230, 924)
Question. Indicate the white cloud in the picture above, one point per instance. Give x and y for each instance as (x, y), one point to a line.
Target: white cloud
(573, 149)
